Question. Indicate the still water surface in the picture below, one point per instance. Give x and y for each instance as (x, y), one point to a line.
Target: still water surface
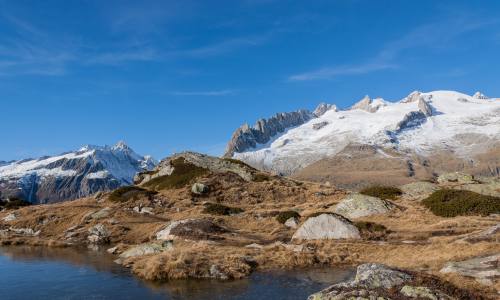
(47, 273)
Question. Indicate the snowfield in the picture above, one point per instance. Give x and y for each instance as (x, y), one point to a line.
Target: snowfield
(458, 122)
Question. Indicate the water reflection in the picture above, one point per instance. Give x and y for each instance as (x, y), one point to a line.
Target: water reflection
(56, 273)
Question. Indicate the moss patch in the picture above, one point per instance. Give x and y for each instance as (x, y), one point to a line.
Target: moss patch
(382, 192)
(451, 203)
(283, 216)
(221, 210)
(127, 193)
(184, 173)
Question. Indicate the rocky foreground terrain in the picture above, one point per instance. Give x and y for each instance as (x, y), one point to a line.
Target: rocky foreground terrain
(195, 216)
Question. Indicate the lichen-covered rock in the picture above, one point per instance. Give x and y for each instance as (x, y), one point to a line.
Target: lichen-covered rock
(418, 190)
(369, 278)
(327, 226)
(357, 206)
(484, 269)
(456, 177)
(191, 229)
(146, 249)
(199, 189)
(103, 213)
(98, 234)
(422, 292)
(292, 222)
(489, 234)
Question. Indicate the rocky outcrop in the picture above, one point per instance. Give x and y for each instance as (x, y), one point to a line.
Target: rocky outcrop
(264, 130)
(98, 234)
(318, 126)
(213, 164)
(418, 190)
(479, 95)
(199, 189)
(424, 107)
(147, 249)
(326, 226)
(357, 206)
(322, 108)
(72, 175)
(456, 177)
(191, 229)
(376, 281)
(483, 269)
(369, 105)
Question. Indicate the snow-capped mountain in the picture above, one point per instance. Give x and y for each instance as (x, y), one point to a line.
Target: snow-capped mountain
(420, 124)
(73, 174)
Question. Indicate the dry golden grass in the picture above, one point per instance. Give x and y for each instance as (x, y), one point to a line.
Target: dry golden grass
(418, 240)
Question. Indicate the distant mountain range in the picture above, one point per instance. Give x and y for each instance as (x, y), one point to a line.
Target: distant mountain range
(73, 174)
(378, 140)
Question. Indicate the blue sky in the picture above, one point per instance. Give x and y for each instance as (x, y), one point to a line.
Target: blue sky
(167, 76)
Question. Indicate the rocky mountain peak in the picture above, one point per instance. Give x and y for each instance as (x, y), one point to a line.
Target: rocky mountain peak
(479, 95)
(72, 174)
(412, 97)
(322, 108)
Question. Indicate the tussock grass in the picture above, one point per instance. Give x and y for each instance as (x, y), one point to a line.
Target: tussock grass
(184, 173)
(283, 216)
(127, 193)
(382, 192)
(221, 210)
(452, 203)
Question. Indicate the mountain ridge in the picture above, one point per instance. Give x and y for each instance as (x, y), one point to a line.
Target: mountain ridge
(73, 174)
(419, 124)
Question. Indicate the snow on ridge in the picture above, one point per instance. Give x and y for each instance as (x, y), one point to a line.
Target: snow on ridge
(454, 113)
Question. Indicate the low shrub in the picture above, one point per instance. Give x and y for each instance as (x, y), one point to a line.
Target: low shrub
(371, 230)
(221, 210)
(183, 174)
(283, 216)
(261, 177)
(14, 203)
(382, 192)
(126, 193)
(452, 203)
(238, 162)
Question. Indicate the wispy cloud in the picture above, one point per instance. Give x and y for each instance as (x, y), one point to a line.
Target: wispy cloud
(204, 93)
(331, 72)
(227, 45)
(432, 36)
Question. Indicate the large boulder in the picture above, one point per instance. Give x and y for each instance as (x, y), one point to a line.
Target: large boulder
(376, 281)
(199, 188)
(418, 190)
(327, 226)
(191, 229)
(484, 269)
(98, 234)
(357, 206)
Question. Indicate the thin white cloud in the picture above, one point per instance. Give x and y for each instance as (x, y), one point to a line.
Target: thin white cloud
(227, 45)
(331, 72)
(204, 93)
(436, 35)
